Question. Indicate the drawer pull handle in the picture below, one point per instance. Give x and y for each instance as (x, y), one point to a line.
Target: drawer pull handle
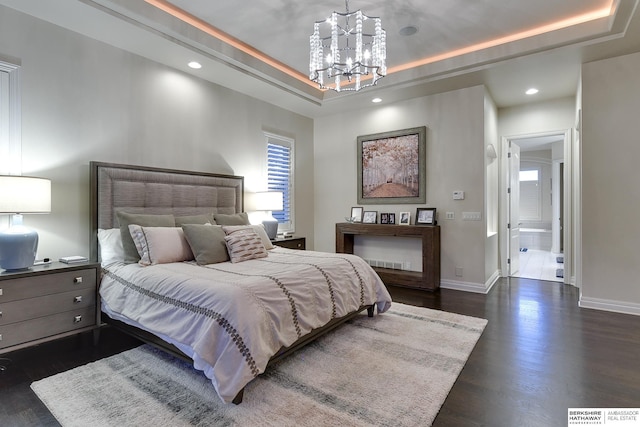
(78, 298)
(0, 314)
(77, 280)
(77, 319)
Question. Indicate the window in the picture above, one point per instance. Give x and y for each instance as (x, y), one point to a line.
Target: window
(530, 195)
(10, 148)
(280, 177)
(529, 175)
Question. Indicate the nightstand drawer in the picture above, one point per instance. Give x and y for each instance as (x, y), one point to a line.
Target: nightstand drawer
(18, 311)
(29, 330)
(292, 243)
(35, 286)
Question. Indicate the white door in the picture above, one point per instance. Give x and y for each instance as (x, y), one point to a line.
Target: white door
(514, 208)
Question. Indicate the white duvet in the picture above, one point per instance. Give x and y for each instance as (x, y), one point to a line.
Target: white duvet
(231, 318)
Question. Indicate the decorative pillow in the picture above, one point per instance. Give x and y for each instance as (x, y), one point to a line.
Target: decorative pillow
(160, 245)
(258, 229)
(206, 242)
(110, 242)
(233, 219)
(124, 219)
(245, 246)
(194, 219)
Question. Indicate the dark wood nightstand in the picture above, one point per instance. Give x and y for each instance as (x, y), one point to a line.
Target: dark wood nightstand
(47, 302)
(291, 242)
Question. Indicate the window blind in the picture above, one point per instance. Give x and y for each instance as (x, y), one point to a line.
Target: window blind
(280, 178)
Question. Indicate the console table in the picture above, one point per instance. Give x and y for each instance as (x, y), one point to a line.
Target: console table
(428, 279)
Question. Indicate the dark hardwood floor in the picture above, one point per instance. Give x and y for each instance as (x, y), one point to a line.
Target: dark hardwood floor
(19, 406)
(539, 355)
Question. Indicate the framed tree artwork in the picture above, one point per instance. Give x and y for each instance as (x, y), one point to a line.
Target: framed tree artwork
(392, 167)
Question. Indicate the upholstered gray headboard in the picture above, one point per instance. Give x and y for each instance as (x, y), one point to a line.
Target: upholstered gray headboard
(139, 189)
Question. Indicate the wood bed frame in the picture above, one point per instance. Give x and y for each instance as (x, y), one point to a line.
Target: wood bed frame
(151, 190)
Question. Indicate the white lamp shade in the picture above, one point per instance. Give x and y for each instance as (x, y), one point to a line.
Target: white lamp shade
(24, 194)
(264, 201)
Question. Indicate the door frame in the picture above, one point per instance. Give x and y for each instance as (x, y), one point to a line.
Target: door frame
(568, 206)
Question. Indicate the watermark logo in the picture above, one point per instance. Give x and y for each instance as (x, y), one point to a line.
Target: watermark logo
(616, 417)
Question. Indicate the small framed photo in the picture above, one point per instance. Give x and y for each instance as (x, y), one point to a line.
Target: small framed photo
(426, 216)
(405, 218)
(370, 217)
(356, 214)
(387, 218)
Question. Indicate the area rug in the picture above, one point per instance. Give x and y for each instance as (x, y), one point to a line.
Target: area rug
(394, 369)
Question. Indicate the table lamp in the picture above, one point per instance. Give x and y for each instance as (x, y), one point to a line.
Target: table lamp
(21, 195)
(266, 202)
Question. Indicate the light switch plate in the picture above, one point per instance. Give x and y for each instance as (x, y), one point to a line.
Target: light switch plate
(458, 195)
(471, 216)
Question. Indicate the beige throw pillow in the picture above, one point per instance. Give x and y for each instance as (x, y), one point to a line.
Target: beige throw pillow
(258, 229)
(160, 245)
(124, 219)
(245, 246)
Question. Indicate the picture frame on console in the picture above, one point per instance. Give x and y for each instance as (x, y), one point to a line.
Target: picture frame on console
(356, 214)
(405, 218)
(392, 167)
(426, 216)
(387, 218)
(370, 217)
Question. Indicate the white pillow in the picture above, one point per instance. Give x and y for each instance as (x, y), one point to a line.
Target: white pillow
(111, 249)
(160, 245)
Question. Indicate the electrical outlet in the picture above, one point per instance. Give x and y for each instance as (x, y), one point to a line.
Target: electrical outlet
(459, 271)
(451, 215)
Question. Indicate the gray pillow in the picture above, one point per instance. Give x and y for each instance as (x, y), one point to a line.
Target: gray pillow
(207, 243)
(124, 219)
(194, 219)
(233, 219)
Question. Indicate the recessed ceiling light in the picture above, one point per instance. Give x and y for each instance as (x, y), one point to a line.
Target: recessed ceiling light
(408, 30)
(195, 65)
(531, 91)
(376, 100)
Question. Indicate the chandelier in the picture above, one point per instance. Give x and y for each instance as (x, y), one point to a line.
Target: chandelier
(348, 51)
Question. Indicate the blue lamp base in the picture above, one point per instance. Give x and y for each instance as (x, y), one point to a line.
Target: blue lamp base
(18, 247)
(271, 227)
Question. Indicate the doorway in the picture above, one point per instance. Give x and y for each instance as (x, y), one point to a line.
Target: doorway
(537, 240)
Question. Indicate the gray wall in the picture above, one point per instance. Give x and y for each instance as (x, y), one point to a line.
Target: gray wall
(455, 161)
(610, 190)
(83, 100)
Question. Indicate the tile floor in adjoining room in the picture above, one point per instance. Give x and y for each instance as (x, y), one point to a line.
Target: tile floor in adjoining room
(537, 264)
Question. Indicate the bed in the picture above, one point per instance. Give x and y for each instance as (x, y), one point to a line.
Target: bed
(230, 317)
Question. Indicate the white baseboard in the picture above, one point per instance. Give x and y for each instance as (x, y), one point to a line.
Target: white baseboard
(479, 288)
(609, 305)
